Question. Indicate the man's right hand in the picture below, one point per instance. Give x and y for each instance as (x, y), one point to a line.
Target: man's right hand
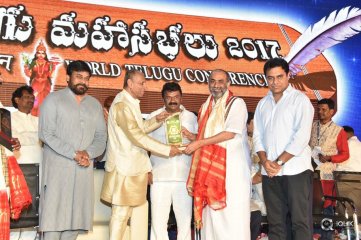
(162, 116)
(271, 167)
(82, 158)
(174, 151)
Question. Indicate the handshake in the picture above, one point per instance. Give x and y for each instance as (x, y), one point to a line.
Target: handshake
(82, 158)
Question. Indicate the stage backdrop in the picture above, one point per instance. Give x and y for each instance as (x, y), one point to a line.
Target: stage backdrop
(39, 38)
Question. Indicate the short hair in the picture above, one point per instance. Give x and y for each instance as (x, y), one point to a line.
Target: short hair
(78, 66)
(171, 87)
(250, 117)
(18, 93)
(222, 71)
(330, 103)
(348, 129)
(276, 62)
(129, 75)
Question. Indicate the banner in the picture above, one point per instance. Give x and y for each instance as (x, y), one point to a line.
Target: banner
(39, 38)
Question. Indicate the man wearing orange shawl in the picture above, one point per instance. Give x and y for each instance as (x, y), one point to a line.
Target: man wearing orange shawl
(219, 178)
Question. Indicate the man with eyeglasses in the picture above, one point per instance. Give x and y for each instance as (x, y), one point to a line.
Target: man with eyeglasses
(25, 127)
(128, 164)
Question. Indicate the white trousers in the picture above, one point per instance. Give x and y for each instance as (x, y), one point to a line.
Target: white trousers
(118, 225)
(162, 195)
(23, 234)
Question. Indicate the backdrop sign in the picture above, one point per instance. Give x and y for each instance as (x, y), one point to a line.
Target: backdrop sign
(166, 47)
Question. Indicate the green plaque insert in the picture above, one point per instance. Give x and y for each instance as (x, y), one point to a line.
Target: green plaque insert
(173, 129)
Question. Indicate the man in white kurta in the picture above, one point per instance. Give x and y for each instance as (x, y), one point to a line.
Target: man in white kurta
(170, 175)
(24, 126)
(226, 127)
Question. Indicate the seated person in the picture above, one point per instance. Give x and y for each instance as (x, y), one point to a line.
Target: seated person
(353, 163)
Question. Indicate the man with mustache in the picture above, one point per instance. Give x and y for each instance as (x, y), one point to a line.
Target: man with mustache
(169, 176)
(25, 127)
(220, 178)
(72, 127)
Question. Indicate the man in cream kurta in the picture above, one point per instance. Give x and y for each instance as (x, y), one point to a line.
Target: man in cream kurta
(128, 164)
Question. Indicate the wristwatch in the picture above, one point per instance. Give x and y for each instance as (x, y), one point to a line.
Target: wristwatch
(280, 162)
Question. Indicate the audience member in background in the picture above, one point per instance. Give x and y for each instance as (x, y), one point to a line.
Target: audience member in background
(72, 127)
(353, 163)
(106, 106)
(100, 161)
(329, 146)
(169, 176)
(282, 128)
(25, 127)
(258, 208)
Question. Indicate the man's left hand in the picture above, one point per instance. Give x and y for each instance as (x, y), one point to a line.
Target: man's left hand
(15, 144)
(190, 136)
(323, 158)
(150, 178)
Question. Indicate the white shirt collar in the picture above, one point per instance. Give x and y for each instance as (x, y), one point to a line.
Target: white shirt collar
(131, 98)
(285, 92)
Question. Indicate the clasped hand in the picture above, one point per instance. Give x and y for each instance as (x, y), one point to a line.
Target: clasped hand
(82, 158)
(271, 167)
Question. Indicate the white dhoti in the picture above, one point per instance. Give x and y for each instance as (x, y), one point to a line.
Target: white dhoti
(232, 222)
(163, 195)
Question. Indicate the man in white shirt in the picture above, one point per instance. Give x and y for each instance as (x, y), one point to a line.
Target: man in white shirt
(24, 126)
(282, 129)
(169, 176)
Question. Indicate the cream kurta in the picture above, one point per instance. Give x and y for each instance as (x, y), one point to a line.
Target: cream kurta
(128, 141)
(127, 148)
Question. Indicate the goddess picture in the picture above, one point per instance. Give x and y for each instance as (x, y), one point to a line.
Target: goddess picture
(40, 70)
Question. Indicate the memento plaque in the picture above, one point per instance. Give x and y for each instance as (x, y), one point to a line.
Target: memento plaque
(173, 129)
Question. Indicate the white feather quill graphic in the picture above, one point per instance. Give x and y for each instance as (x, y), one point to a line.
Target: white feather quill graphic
(334, 29)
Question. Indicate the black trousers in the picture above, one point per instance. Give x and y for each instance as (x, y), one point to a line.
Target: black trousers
(256, 220)
(289, 206)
